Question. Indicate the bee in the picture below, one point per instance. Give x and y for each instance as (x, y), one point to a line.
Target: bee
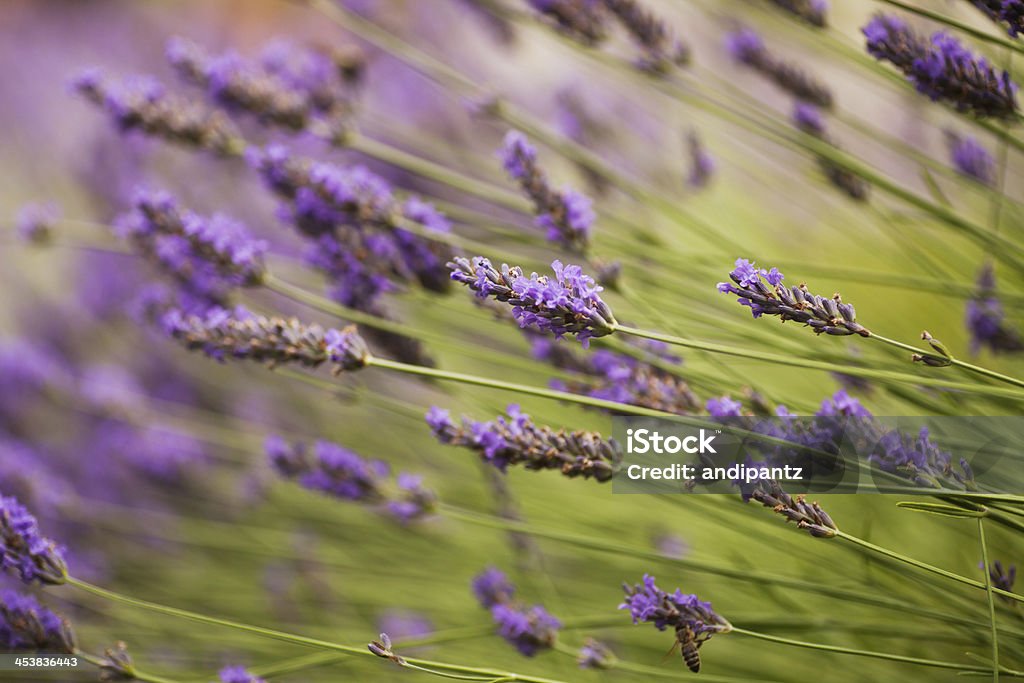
(689, 645)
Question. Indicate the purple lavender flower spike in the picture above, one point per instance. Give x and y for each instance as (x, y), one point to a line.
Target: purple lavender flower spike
(764, 293)
(35, 222)
(530, 630)
(242, 335)
(595, 655)
(582, 20)
(566, 216)
(808, 118)
(142, 104)
(814, 12)
(516, 440)
(808, 516)
(491, 587)
(652, 34)
(942, 68)
(747, 47)
(724, 407)
(702, 164)
(413, 501)
(693, 620)
(971, 159)
(27, 626)
(568, 303)
(238, 674)
(208, 256)
(986, 319)
(24, 550)
(1008, 13)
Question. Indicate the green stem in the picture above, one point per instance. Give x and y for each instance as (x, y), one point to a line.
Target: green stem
(869, 653)
(991, 599)
(426, 665)
(985, 372)
(819, 365)
(136, 674)
(927, 567)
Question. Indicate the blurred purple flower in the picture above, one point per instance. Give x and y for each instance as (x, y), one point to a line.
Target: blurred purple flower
(23, 549)
(27, 626)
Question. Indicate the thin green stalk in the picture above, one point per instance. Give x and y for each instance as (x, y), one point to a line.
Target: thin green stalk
(426, 665)
(868, 653)
(991, 599)
(818, 365)
(958, 363)
(927, 567)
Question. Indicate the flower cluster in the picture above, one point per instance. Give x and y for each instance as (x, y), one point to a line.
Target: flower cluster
(516, 440)
(942, 68)
(747, 47)
(595, 655)
(808, 516)
(693, 620)
(617, 377)
(566, 215)
(661, 50)
(27, 626)
(971, 159)
(35, 222)
(208, 256)
(24, 550)
(762, 290)
(986, 319)
(807, 118)
(241, 335)
(1010, 13)
(238, 674)
(288, 87)
(813, 12)
(142, 103)
(583, 20)
(117, 664)
(340, 473)
(569, 303)
(529, 629)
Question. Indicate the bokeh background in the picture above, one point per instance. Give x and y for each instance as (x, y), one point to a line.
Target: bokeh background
(148, 462)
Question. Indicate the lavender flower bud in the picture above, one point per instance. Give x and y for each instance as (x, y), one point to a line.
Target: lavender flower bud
(343, 474)
(27, 626)
(238, 674)
(242, 335)
(986, 319)
(764, 292)
(595, 655)
(942, 68)
(142, 104)
(35, 222)
(807, 118)
(518, 441)
(652, 34)
(747, 47)
(566, 216)
(808, 516)
(24, 550)
(491, 587)
(207, 255)
(117, 664)
(1009, 13)
(530, 630)
(971, 159)
(702, 164)
(582, 20)
(566, 304)
(1002, 578)
(812, 11)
